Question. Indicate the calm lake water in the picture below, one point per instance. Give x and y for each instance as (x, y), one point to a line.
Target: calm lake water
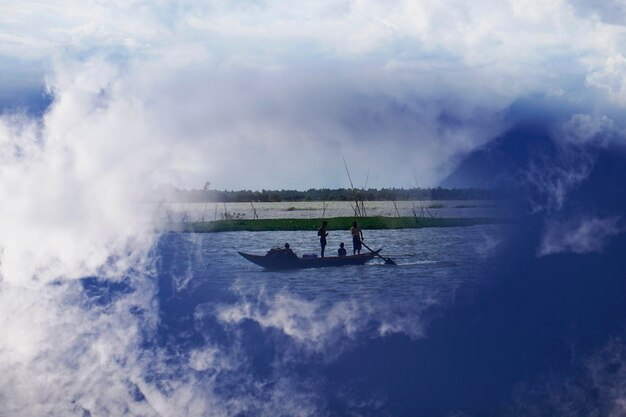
(260, 341)
(318, 209)
(424, 258)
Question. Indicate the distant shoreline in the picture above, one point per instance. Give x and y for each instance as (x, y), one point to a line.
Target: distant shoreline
(176, 195)
(334, 223)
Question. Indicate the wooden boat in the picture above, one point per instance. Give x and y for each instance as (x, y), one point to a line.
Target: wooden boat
(295, 262)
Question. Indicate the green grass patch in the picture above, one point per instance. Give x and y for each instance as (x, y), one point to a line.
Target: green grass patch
(335, 223)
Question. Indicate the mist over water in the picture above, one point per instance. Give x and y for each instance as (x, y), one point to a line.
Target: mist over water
(103, 316)
(100, 315)
(201, 331)
(260, 338)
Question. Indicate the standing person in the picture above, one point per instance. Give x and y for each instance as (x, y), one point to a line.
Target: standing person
(357, 237)
(322, 233)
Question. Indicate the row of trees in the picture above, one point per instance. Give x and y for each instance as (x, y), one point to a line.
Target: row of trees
(173, 194)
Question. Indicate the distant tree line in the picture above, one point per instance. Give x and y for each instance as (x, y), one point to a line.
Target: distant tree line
(174, 194)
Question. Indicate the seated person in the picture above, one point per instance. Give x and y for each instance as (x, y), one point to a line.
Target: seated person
(285, 251)
(341, 251)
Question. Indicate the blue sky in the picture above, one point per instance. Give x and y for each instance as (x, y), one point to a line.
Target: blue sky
(272, 94)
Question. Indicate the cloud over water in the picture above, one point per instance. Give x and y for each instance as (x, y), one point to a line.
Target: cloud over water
(272, 95)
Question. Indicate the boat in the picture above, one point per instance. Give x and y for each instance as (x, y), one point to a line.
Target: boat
(296, 262)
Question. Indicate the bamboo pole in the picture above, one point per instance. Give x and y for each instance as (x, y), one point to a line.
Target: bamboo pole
(254, 211)
(396, 207)
(357, 211)
(185, 214)
(204, 212)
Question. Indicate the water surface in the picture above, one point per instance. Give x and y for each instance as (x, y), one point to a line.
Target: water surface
(256, 336)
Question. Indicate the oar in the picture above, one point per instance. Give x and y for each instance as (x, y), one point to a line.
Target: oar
(388, 261)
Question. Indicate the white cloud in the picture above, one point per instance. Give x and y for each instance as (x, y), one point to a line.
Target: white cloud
(316, 327)
(610, 76)
(517, 46)
(244, 95)
(553, 177)
(71, 182)
(253, 82)
(585, 129)
(222, 125)
(576, 145)
(71, 185)
(304, 321)
(609, 11)
(579, 235)
(60, 355)
(595, 388)
(537, 9)
(606, 374)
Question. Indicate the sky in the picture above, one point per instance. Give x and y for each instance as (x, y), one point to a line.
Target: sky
(265, 95)
(102, 101)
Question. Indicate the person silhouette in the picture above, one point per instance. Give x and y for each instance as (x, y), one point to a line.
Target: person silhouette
(357, 237)
(322, 233)
(285, 251)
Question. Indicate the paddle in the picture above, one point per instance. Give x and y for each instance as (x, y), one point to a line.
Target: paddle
(388, 261)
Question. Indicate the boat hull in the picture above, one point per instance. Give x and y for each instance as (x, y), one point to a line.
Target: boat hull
(281, 262)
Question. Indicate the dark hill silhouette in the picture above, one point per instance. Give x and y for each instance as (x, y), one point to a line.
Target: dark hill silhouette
(521, 347)
(497, 163)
